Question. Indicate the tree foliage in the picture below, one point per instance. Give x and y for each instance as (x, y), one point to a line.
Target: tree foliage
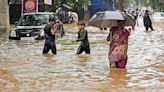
(75, 4)
(156, 4)
(79, 4)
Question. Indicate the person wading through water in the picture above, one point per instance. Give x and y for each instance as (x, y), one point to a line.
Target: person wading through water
(118, 43)
(83, 37)
(50, 30)
(147, 21)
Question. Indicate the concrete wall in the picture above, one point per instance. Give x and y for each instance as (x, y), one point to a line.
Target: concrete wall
(4, 15)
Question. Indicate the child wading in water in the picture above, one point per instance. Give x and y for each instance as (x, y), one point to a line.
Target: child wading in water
(83, 37)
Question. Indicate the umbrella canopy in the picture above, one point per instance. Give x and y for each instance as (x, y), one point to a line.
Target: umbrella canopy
(129, 21)
(105, 19)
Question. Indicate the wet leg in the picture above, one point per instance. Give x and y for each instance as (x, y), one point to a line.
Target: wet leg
(87, 50)
(46, 47)
(121, 64)
(151, 28)
(113, 65)
(53, 48)
(80, 49)
(147, 28)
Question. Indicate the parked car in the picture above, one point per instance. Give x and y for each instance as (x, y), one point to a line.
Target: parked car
(32, 25)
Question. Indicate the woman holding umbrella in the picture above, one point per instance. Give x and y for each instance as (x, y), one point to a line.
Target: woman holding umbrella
(118, 43)
(118, 36)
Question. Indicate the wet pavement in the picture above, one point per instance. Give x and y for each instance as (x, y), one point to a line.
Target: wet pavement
(24, 69)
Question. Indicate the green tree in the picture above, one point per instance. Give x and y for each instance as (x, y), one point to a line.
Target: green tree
(155, 4)
(75, 4)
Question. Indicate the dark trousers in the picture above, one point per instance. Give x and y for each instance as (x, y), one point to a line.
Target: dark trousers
(148, 28)
(83, 48)
(49, 45)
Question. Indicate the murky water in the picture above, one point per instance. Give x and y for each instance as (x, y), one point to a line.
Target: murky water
(24, 69)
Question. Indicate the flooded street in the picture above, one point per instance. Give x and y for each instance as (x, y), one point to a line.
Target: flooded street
(23, 68)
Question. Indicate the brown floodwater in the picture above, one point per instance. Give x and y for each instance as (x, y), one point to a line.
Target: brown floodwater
(24, 69)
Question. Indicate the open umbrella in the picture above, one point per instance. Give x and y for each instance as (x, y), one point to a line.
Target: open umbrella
(105, 19)
(129, 21)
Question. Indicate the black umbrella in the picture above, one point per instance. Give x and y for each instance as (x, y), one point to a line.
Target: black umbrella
(129, 21)
(105, 19)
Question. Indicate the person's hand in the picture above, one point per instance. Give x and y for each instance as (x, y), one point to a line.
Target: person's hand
(77, 40)
(129, 29)
(73, 41)
(109, 42)
(52, 32)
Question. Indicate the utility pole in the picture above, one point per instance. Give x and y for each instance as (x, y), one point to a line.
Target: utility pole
(4, 15)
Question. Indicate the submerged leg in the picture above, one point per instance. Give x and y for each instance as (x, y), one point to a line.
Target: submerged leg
(147, 28)
(122, 64)
(113, 65)
(151, 28)
(80, 49)
(53, 48)
(87, 50)
(46, 47)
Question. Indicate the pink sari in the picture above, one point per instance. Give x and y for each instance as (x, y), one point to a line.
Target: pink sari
(118, 47)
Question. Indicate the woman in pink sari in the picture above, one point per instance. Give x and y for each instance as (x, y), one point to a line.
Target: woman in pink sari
(118, 39)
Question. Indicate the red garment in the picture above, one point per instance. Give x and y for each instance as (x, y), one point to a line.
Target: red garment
(118, 47)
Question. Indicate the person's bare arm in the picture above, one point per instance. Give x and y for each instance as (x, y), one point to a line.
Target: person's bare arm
(55, 28)
(53, 31)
